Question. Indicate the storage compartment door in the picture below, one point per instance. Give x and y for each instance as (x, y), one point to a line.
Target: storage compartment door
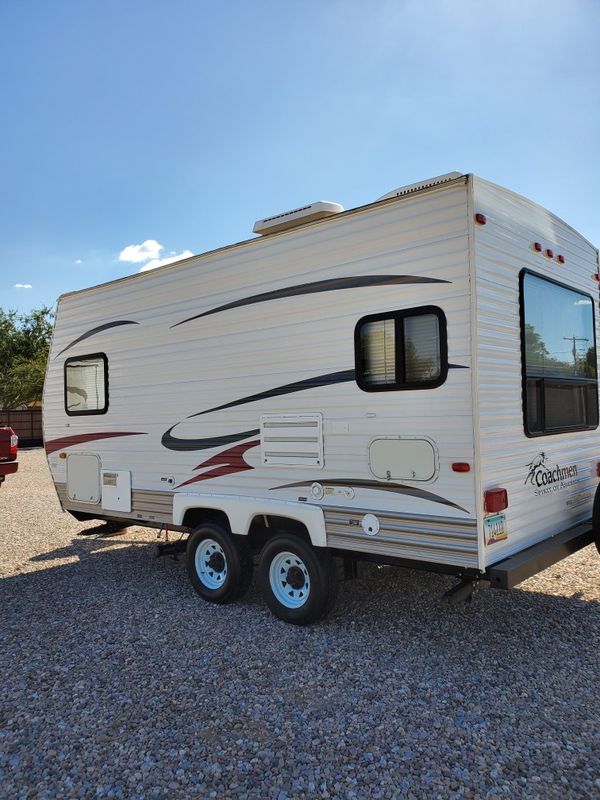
(83, 478)
(403, 459)
(116, 490)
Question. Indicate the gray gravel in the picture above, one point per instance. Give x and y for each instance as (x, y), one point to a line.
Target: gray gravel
(118, 681)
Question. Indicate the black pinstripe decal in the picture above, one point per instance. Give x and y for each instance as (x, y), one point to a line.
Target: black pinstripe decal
(329, 285)
(173, 443)
(398, 488)
(94, 331)
(299, 386)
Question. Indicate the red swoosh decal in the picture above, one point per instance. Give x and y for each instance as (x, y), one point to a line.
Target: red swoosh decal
(226, 463)
(82, 438)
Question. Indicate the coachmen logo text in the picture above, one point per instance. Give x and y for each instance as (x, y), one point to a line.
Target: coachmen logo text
(548, 478)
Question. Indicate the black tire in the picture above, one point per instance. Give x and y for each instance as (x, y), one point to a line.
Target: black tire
(231, 573)
(596, 518)
(317, 565)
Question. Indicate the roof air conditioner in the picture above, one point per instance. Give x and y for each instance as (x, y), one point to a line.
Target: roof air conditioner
(296, 217)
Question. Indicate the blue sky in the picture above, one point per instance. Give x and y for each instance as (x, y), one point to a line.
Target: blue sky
(180, 123)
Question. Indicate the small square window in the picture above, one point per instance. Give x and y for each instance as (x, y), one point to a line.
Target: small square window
(86, 384)
(402, 350)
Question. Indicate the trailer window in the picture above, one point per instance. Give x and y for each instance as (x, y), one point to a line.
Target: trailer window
(86, 384)
(401, 350)
(560, 380)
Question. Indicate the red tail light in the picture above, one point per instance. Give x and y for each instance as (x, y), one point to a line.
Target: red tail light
(14, 443)
(495, 500)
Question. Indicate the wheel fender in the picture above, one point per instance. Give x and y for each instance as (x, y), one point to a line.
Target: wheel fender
(241, 511)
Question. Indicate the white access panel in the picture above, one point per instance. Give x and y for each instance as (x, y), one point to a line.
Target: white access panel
(83, 477)
(116, 490)
(402, 459)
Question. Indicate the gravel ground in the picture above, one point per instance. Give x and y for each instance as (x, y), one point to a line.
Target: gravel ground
(118, 681)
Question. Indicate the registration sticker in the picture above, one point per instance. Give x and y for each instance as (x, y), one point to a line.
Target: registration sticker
(495, 529)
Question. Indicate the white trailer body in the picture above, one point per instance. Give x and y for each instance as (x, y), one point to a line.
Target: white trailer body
(376, 376)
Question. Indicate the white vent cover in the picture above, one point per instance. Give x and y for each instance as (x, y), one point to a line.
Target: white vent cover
(414, 187)
(297, 216)
(292, 440)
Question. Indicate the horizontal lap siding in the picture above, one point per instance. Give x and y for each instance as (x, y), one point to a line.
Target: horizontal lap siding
(161, 375)
(503, 247)
(443, 540)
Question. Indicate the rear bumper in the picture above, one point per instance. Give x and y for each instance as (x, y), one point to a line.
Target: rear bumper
(508, 573)
(7, 468)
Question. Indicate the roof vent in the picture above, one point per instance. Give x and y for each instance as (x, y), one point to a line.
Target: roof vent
(414, 187)
(296, 217)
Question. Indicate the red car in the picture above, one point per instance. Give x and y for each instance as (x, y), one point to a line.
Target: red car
(8, 452)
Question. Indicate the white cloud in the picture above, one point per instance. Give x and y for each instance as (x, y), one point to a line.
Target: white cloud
(160, 262)
(23, 286)
(78, 261)
(136, 253)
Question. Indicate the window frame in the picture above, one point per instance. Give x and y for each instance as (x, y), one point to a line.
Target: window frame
(88, 412)
(576, 381)
(398, 317)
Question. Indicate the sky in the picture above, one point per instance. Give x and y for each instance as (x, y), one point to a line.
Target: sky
(136, 131)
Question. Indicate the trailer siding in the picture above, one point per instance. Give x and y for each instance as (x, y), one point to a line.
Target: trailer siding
(198, 379)
(503, 247)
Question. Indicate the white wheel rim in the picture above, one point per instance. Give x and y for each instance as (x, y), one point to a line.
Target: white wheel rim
(207, 553)
(286, 572)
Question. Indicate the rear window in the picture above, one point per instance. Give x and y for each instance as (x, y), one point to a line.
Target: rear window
(559, 357)
(86, 384)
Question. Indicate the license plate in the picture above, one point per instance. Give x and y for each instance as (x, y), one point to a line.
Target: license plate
(495, 529)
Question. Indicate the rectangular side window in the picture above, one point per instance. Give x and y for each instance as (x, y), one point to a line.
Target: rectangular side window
(560, 391)
(86, 384)
(401, 350)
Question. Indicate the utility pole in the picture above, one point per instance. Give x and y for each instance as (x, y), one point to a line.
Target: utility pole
(575, 339)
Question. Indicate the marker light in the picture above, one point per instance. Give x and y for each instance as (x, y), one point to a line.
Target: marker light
(537, 247)
(560, 259)
(550, 253)
(461, 466)
(480, 218)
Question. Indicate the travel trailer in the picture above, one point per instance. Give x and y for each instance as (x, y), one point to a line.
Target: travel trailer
(412, 382)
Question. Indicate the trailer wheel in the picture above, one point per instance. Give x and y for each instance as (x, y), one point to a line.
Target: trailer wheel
(219, 565)
(297, 581)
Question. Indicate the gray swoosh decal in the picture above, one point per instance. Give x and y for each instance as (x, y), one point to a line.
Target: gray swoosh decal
(329, 285)
(398, 488)
(310, 383)
(173, 443)
(94, 331)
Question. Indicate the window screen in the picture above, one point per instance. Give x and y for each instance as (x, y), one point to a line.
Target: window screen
(559, 357)
(401, 350)
(86, 384)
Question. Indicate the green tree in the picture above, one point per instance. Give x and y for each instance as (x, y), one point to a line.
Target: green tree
(24, 346)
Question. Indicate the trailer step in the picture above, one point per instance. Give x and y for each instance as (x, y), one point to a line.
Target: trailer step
(515, 569)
